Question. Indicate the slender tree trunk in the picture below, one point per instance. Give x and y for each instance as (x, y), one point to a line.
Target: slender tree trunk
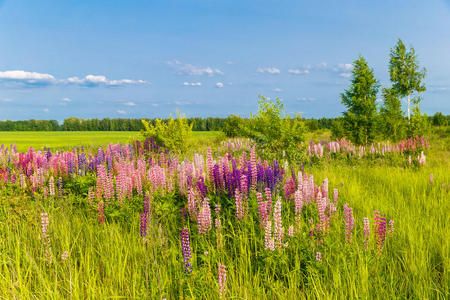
(409, 100)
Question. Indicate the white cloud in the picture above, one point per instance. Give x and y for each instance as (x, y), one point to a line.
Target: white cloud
(277, 90)
(130, 103)
(219, 85)
(46, 110)
(270, 70)
(40, 79)
(7, 100)
(306, 99)
(192, 84)
(439, 89)
(66, 99)
(97, 80)
(188, 69)
(230, 62)
(380, 100)
(120, 111)
(298, 71)
(155, 104)
(32, 78)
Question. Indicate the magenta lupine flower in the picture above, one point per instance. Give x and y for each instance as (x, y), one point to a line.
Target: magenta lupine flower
(186, 248)
(239, 207)
(349, 222)
(51, 186)
(391, 228)
(278, 226)
(380, 230)
(268, 239)
(253, 170)
(319, 256)
(366, 232)
(268, 194)
(204, 217)
(222, 279)
(143, 224)
(101, 216)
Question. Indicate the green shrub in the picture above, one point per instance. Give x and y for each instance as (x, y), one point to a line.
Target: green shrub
(174, 134)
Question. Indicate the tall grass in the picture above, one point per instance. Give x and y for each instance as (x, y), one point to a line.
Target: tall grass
(111, 260)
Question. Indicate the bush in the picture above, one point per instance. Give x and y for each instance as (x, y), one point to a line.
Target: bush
(418, 125)
(272, 130)
(173, 135)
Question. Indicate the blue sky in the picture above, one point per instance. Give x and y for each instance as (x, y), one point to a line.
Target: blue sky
(206, 58)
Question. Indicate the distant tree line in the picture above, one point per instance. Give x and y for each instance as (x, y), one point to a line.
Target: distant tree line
(77, 124)
(228, 125)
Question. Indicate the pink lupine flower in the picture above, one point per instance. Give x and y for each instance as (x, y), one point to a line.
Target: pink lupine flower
(349, 222)
(244, 185)
(431, 178)
(319, 256)
(210, 164)
(278, 226)
(262, 210)
(298, 200)
(291, 231)
(222, 279)
(204, 217)
(45, 236)
(51, 185)
(268, 194)
(380, 230)
(366, 232)
(321, 206)
(101, 216)
(268, 239)
(192, 204)
(239, 206)
(65, 255)
(391, 228)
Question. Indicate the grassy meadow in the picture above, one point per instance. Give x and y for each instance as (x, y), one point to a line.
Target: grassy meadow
(112, 259)
(90, 139)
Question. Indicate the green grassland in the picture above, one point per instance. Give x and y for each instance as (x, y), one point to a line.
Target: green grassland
(69, 139)
(113, 261)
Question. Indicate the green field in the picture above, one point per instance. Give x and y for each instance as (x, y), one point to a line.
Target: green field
(112, 260)
(69, 139)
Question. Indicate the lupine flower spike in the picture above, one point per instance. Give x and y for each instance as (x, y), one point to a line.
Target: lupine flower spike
(222, 279)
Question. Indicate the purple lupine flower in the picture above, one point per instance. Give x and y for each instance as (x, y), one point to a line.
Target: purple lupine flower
(143, 224)
(186, 248)
(391, 228)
